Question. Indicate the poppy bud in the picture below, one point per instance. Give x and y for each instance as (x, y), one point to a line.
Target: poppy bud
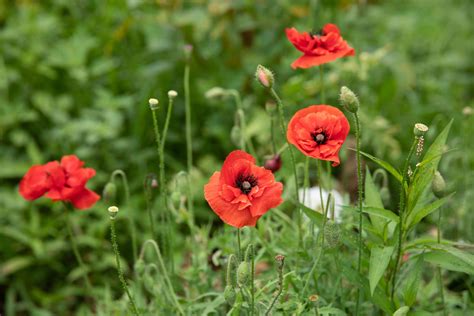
(385, 195)
(229, 295)
(349, 100)
(113, 210)
(236, 135)
(264, 76)
(438, 185)
(243, 273)
(273, 164)
(172, 94)
(153, 104)
(270, 107)
(139, 266)
(175, 197)
(215, 93)
(188, 50)
(110, 192)
(331, 234)
(420, 129)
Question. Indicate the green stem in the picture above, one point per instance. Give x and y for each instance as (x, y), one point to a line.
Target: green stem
(239, 248)
(148, 198)
(113, 237)
(76, 250)
(401, 212)
(321, 251)
(165, 272)
(166, 222)
(440, 277)
(167, 123)
(321, 83)
(359, 197)
(272, 133)
(280, 288)
(293, 161)
(189, 140)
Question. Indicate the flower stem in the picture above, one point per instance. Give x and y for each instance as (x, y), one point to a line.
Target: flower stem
(321, 83)
(76, 251)
(189, 139)
(166, 222)
(280, 287)
(293, 161)
(148, 199)
(239, 248)
(440, 277)
(165, 273)
(401, 212)
(113, 238)
(359, 198)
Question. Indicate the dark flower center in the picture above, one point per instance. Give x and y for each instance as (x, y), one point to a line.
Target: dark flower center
(315, 34)
(319, 137)
(245, 183)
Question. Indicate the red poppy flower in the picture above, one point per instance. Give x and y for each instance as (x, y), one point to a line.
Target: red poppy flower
(318, 49)
(319, 131)
(65, 181)
(242, 192)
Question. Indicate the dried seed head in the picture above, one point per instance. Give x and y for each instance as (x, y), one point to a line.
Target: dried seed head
(264, 76)
(172, 94)
(349, 100)
(467, 111)
(420, 129)
(438, 185)
(113, 210)
(153, 103)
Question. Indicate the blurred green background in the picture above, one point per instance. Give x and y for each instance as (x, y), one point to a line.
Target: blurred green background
(75, 77)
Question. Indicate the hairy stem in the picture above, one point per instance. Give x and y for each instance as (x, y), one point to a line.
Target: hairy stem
(359, 197)
(189, 139)
(440, 276)
(113, 238)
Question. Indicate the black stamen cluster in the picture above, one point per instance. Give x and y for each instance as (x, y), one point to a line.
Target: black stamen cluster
(245, 183)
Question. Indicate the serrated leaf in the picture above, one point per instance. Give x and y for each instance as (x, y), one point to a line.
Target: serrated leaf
(417, 215)
(412, 282)
(379, 260)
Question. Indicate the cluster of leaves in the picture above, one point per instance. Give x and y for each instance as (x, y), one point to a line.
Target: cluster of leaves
(76, 77)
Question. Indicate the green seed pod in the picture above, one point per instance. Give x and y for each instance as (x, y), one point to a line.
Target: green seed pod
(229, 295)
(331, 234)
(438, 185)
(110, 192)
(243, 273)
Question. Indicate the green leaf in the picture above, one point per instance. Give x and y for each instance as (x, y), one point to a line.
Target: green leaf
(413, 282)
(417, 215)
(461, 255)
(373, 199)
(330, 311)
(313, 215)
(402, 311)
(384, 165)
(425, 172)
(379, 260)
(448, 261)
(380, 212)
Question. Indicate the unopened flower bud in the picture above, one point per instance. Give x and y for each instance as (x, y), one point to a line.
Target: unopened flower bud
(243, 273)
(385, 195)
(113, 210)
(175, 197)
(349, 100)
(172, 94)
(215, 93)
(438, 185)
(110, 192)
(139, 266)
(420, 129)
(264, 76)
(188, 50)
(273, 164)
(331, 234)
(229, 295)
(153, 103)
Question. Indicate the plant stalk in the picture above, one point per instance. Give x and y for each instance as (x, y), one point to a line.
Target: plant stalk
(359, 197)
